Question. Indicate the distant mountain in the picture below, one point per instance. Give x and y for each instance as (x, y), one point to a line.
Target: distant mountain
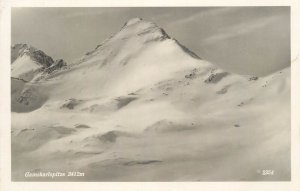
(27, 62)
(19, 50)
(142, 107)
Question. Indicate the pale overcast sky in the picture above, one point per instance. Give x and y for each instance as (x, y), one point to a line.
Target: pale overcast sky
(245, 40)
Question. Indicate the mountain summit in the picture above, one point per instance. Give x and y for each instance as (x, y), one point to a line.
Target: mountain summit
(133, 21)
(140, 28)
(140, 33)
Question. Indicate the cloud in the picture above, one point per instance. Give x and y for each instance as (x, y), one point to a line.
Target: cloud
(208, 12)
(241, 29)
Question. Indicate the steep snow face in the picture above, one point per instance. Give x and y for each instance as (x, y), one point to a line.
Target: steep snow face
(141, 106)
(24, 67)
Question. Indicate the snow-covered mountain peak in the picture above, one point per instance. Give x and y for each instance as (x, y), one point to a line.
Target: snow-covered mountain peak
(27, 62)
(145, 32)
(19, 50)
(135, 36)
(133, 21)
(139, 28)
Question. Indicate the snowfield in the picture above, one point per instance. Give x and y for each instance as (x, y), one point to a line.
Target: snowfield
(142, 107)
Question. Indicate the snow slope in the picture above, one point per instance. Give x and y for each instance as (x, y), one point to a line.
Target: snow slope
(142, 107)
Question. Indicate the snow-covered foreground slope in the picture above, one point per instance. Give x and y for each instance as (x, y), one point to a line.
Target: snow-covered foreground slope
(142, 107)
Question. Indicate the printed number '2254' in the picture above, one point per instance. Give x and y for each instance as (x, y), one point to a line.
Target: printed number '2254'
(268, 172)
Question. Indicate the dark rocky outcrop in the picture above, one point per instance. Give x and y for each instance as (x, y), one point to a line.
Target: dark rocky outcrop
(82, 126)
(215, 78)
(58, 64)
(71, 103)
(253, 78)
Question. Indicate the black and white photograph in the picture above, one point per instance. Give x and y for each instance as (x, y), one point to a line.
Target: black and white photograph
(150, 94)
(131, 95)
